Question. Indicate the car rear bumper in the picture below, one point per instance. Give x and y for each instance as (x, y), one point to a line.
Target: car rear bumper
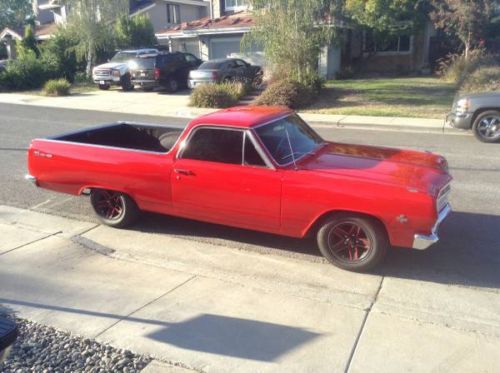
(31, 179)
(462, 121)
(193, 83)
(145, 83)
(423, 242)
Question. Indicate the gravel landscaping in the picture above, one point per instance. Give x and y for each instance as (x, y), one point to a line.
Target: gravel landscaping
(44, 349)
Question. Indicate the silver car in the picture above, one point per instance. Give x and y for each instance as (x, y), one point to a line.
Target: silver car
(479, 112)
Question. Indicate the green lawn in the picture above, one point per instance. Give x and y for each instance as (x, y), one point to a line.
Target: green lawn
(422, 97)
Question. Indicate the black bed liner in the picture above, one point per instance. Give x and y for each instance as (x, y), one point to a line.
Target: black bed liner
(127, 135)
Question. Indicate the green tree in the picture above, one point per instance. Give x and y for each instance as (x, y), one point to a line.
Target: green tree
(59, 51)
(467, 19)
(387, 16)
(29, 40)
(92, 21)
(13, 13)
(134, 32)
(292, 34)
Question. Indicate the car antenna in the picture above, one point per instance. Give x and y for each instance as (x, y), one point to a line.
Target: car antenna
(291, 150)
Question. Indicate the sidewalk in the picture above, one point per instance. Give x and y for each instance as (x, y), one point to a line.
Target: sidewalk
(176, 105)
(212, 308)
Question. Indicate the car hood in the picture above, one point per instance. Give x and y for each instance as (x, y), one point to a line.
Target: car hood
(419, 170)
(112, 65)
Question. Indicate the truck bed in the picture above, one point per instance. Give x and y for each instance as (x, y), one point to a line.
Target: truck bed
(127, 135)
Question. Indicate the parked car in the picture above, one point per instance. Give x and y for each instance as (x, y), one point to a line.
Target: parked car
(116, 71)
(225, 70)
(169, 70)
(479, 112)
(260, 168)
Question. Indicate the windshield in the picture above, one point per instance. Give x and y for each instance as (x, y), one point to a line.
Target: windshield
(288, 135)
(123, 56)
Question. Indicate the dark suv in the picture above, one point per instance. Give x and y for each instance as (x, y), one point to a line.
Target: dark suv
(169, 70)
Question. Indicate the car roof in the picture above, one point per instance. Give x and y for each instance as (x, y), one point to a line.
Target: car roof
(243, 116)
(141, 50)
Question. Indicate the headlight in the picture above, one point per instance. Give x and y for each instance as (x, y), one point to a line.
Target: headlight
(463, 106)
(116, 73)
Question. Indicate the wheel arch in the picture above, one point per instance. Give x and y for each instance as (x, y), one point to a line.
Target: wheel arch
(478, 112)
(313, 228)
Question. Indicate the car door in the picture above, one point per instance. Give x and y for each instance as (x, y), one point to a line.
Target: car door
(219, 176)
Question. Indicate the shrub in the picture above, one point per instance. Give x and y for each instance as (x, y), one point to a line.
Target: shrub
(59, 52)
(286, 93)
(455, 67)
(27, 71)
(214, 95)
(484, 79)
(57, 87)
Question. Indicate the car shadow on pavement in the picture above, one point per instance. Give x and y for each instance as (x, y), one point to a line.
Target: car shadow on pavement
(227, 236)
(467, 253)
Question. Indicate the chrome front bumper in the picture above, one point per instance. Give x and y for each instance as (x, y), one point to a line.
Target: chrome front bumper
(31, 178)
(423, 242)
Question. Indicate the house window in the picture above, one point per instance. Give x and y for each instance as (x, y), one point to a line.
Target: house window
(396, 44)
(173, 14)
(236, 5)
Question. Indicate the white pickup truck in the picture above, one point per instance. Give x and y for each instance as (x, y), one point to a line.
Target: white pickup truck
(116, 71)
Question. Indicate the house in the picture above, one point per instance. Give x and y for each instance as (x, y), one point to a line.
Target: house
(162, 13)
(219, 35)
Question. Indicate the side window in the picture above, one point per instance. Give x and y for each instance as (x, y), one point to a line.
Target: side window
(240, 63)
(215, 145)
(251, 155)
(190, 58)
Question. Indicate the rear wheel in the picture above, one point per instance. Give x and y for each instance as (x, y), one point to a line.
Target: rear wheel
(172, 85)
(486, 127)
(115, 209)
(353, 242)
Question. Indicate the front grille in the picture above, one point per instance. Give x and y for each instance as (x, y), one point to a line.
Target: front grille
(102, 73)
(442, 199)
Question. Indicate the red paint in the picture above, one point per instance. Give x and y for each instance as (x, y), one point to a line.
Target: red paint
(380, 182)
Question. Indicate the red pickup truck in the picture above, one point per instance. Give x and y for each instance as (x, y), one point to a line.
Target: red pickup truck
(260, 168)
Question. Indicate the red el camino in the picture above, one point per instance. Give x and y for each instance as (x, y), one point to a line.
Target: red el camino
(259, 168)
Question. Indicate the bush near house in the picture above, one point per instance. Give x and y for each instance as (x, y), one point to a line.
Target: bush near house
(455, 68)
(221, 95)
(286, 93)
(57, 87)
(484, 79)
(27, 71)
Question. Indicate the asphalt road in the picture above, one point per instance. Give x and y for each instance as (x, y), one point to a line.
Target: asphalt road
(468, 253)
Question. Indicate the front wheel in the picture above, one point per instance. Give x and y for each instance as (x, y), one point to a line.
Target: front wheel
(115, 209)
(486, 126)
(103, 87)
(353, 242)
(172, 85)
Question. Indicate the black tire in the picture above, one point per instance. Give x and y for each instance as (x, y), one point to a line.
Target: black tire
(172, 85)
(356, 250)
(126, 83)
(486, 126)
(115, 209)
(104, 87)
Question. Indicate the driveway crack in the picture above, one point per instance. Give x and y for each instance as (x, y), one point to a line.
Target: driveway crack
(362, 328)
(31, 242)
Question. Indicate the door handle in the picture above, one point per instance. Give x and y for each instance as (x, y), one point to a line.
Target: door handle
(181, 171)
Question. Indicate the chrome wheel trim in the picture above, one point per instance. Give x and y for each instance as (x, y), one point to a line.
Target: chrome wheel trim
(489, 127)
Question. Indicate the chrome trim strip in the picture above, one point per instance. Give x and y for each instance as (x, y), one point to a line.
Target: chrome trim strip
(423, 242)
(259, 149)
(31, 179)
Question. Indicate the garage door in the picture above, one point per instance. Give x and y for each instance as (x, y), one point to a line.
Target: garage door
(221, 48)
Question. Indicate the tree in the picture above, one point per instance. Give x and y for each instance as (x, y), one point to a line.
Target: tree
(14, 13)
(92, 21)
(387, 16)
(29, 40)
(292, 34)
(134, 32)
(467, 19)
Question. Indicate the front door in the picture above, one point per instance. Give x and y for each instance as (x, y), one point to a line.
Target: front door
(220, 177)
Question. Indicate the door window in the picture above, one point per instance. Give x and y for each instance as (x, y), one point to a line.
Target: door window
(215, 145)
(251, 155)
